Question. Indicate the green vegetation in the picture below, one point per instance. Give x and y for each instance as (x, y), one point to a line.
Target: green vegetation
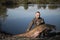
(52, 7)
(32, 1)
(25, 6)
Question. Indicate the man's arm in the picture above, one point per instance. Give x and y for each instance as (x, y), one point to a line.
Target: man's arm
(42, 22)
(30, 25)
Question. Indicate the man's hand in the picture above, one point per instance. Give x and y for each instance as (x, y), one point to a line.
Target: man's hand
(28, 30)
(35, 34)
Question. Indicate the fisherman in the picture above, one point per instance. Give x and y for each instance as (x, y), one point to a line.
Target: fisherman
(37, 21)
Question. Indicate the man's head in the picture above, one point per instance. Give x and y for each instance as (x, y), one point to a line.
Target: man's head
(37, 14)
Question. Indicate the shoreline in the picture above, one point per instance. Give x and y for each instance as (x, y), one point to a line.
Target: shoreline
(6, 36)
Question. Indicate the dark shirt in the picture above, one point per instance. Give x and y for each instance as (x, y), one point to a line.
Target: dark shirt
(36, 22)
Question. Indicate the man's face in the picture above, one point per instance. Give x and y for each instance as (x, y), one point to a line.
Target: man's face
(37, 15)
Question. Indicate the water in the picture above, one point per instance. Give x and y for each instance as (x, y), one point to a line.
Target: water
(18, 19)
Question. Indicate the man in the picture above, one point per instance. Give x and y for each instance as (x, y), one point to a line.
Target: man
(36, 21)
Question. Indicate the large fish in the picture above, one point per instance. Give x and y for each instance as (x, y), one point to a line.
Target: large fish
(36, 31)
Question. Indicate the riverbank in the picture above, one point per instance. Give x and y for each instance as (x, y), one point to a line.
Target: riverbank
(4, 35)
(51, 36)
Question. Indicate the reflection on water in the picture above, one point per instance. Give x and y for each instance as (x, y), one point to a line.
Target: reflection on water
(15, 18)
